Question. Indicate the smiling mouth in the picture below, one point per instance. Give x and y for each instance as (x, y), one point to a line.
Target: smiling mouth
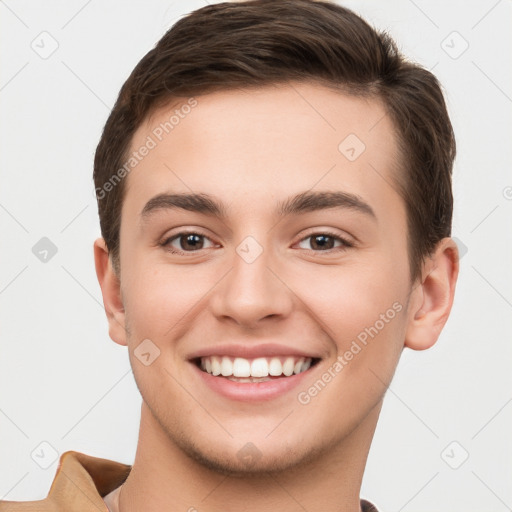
(261, 369)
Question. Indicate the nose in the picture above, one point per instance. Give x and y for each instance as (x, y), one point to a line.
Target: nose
(252, 292)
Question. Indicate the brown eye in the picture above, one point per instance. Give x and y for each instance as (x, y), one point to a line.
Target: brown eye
(325, 242)
(187, 242)
(322, 242)
(191, 241)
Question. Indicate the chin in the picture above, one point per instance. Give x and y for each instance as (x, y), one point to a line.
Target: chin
(250, 459)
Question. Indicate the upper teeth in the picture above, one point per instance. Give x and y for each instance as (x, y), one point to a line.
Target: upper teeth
(260, 367)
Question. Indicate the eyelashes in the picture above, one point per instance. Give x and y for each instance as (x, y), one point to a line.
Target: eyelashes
(324, 241)
(321, 237)
(190, 237)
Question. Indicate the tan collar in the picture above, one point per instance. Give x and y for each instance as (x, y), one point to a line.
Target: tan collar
(80, 483)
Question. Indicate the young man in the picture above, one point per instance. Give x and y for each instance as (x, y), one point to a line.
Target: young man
(274, 192)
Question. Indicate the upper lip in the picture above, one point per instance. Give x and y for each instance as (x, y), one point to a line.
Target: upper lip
(248, 351)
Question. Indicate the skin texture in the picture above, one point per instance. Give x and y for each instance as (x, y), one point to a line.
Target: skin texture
(251, 149)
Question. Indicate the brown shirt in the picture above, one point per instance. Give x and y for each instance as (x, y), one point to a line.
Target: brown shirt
(81, 483)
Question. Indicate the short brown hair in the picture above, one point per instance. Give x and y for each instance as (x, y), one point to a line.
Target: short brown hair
(262, 42)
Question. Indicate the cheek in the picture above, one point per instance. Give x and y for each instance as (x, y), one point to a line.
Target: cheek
(159, 297)
(362, 310)
(346, 299)
(364, 316)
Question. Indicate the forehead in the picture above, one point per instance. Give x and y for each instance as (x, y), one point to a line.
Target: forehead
(265, 143)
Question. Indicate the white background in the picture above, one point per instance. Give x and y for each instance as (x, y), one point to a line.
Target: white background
(64, 382)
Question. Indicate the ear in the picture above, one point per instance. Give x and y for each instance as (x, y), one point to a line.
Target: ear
(111, 291)
(432, 299)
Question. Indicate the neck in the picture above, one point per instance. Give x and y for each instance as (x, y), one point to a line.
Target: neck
(163, 477)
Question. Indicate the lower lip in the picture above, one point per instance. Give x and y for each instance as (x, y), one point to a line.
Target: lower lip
(251, 391)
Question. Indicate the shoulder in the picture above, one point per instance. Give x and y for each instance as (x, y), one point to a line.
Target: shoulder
(80, 482)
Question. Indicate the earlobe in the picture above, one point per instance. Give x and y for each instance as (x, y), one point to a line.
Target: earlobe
(433, 298)
(111, 292)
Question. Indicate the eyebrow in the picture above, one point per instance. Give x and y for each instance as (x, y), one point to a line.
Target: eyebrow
(301, 203)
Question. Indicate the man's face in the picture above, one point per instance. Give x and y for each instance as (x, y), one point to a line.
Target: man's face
(265, 288)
